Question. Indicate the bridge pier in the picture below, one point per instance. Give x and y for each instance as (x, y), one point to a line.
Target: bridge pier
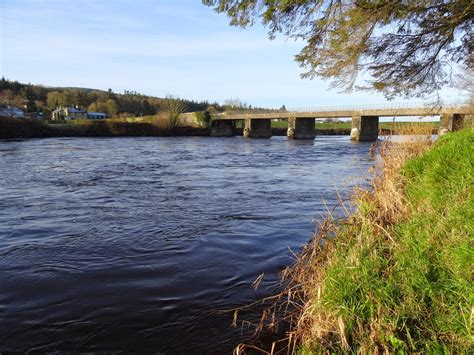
(257, 128)
(300, 128)
(450, 122)
(221, 128)
(365, 128)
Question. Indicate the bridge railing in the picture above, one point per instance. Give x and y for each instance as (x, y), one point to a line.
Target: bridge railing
(395, 106)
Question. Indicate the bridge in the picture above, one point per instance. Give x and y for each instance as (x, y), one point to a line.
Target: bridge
(365, 119)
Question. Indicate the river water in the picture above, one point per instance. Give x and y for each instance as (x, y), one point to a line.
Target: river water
(132, 244)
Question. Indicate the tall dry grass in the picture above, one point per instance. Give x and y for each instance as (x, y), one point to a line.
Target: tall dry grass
(367, 231)
(163, 124)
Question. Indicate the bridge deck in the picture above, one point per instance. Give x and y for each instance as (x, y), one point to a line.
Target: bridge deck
(345, 113)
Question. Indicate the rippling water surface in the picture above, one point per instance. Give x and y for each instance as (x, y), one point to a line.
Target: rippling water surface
(131, 244)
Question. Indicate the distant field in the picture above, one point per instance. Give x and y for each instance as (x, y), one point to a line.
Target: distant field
(348, 125)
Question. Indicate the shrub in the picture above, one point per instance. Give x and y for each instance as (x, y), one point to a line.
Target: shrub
(204, 118)
(172, 108)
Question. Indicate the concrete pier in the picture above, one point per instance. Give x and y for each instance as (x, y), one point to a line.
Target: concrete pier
(300, 128)
(365, 128)
(221, 128)
(451, 122)
(260, 128)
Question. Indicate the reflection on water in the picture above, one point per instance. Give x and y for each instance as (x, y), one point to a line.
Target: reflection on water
(132, 244)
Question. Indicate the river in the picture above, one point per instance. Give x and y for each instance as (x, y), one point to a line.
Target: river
(132, 244)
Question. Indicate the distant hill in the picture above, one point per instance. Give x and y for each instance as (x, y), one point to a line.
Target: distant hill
(40, 98)
(61, 88)
(44, 99)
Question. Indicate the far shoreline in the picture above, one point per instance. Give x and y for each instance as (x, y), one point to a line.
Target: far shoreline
(12, 128)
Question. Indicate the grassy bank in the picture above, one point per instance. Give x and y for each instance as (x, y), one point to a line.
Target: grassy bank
(395, 275)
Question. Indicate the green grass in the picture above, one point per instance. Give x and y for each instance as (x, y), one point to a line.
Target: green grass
(414, 291)
(345, 125)
(279, 124)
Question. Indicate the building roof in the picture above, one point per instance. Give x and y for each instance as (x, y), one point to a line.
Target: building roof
(12, 111)
(75, 110)
(70, 110)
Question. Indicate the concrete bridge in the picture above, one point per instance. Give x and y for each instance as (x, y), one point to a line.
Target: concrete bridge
(365, 120)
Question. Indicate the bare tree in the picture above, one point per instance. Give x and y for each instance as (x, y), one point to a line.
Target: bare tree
(235, 104)
(465, 81)
(172, 107)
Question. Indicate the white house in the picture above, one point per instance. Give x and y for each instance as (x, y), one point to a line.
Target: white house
(68, 113)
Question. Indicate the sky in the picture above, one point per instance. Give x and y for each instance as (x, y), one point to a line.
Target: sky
(159, 48)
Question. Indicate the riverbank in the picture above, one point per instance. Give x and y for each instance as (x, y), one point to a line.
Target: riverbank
(396, 274)
(29, 128)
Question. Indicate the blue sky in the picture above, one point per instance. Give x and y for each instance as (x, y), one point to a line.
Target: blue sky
(160, 47)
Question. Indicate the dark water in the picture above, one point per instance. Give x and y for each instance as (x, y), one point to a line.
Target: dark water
(131, 244)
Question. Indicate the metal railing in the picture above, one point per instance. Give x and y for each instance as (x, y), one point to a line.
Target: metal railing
(395, 106)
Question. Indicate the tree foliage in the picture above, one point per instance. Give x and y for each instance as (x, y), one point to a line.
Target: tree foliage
(407, 47)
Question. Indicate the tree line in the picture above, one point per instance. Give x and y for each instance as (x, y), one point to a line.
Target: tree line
(43, 99)
(37, 98)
